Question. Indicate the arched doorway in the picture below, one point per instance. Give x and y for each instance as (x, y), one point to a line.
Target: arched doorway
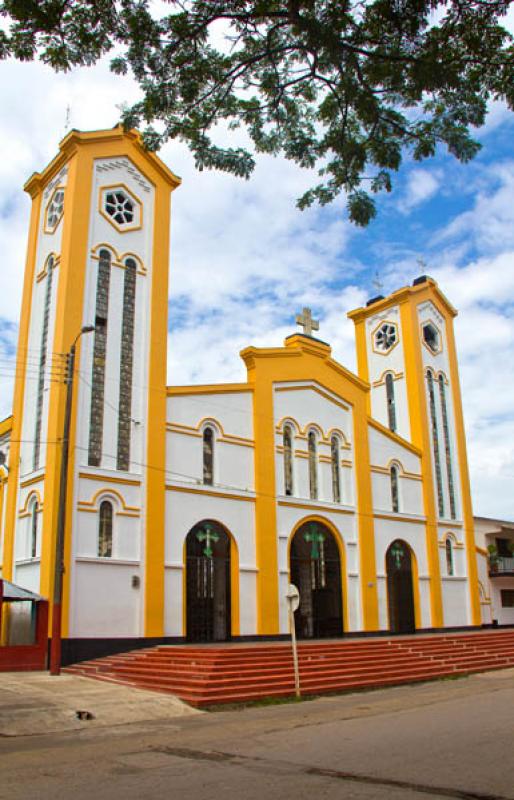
(207, 583)
(400, 593)
(316, 572)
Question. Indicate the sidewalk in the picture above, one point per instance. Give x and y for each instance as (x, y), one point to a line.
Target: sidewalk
(33, 703)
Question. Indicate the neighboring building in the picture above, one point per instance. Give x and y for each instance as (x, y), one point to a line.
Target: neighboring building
(495, 550)
(190, 509)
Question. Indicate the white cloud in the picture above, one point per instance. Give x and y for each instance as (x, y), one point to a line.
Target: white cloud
(422, 184)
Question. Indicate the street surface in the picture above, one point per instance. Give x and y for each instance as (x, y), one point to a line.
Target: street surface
(449, 739)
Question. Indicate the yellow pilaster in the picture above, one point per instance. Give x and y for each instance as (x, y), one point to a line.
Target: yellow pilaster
(265, 507)
(467, 510)
(156, 442)
(420, 435)
(19, 390)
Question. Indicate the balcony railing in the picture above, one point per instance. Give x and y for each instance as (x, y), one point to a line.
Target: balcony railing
(501, 565)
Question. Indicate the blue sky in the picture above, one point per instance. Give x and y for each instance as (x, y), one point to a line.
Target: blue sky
(244, 260)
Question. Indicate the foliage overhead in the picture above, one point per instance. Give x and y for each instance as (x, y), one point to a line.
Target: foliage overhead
(348, 87)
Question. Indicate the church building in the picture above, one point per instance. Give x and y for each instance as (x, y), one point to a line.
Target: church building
(190, 509)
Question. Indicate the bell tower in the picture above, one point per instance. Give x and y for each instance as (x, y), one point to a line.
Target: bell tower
(406, 351)
(97, 258)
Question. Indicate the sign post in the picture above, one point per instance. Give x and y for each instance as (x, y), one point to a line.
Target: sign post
(293, 601)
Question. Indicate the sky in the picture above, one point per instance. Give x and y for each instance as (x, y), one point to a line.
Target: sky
(244, 260)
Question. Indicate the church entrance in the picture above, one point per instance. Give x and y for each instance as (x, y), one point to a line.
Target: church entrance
(400, 593)
(207, 583)
(316, 572)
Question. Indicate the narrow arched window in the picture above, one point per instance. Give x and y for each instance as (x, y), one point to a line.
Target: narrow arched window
(336, 476)
(43, 366)
(33, 529)
(391, 406)
(447, 447)
(395, 498)
(313, 466)
(126, 365)
(288, 460)
(208, 456)
(435, 443)
(449, 556)
(105, 530)
(96, 421)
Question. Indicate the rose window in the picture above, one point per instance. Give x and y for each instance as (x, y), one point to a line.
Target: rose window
(386, 337)
(55, 209)
(120, 207)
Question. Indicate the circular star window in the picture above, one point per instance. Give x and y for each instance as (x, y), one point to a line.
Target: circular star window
(121, 208)
(385, 337)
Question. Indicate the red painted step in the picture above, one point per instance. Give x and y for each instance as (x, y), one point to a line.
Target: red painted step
(208, 675)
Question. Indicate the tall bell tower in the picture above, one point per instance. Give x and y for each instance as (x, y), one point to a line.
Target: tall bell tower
(97, 256)
(406, 350)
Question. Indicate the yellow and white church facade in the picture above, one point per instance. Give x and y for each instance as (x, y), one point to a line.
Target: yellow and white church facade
(190, 509)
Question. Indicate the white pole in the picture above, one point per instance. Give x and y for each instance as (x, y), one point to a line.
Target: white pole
(292, 628)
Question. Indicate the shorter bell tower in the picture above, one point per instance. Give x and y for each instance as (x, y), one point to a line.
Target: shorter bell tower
(406, 351)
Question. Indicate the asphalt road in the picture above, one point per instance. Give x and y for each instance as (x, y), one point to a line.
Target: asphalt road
(447, 739)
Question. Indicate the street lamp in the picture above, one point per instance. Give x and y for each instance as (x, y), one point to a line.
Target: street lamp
(55, 644)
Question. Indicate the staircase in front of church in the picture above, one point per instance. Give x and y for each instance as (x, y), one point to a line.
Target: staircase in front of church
(211, 674)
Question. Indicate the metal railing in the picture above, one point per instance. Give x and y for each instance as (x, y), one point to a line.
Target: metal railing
(501, 564)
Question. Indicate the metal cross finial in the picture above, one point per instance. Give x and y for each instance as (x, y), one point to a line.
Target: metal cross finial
(308, 324)
(68, 119)
(377, 283)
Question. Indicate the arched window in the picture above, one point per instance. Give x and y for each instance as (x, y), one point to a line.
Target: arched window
(313, 466)
(391, 407)
(449, 556)
(105, 530)
(435, 442)
(126, 365)
(33, 528)
(447, 447)
(336, 477)
(208, 456)
(42, 369)
(395, 498)
(288, 460)
(96, 423)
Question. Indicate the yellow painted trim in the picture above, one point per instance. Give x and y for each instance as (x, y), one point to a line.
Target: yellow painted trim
(361, 345)
(120, 228)
(6, 425)
(109, 479)
(31, 481)
(16, 420)
(107, 491)
(400, 518)
(114, 142)
(481, 551)
(210, 388)
(155, 504)
(314, 507)
(377, 328)
(405, 294)
(381, 381)
(44, 272)
(316, 389)
(373, 423)
(342, 558)
(30, 495)
(208, 492)
(413, 476)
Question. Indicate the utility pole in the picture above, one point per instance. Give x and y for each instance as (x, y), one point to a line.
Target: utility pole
(55, 644)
